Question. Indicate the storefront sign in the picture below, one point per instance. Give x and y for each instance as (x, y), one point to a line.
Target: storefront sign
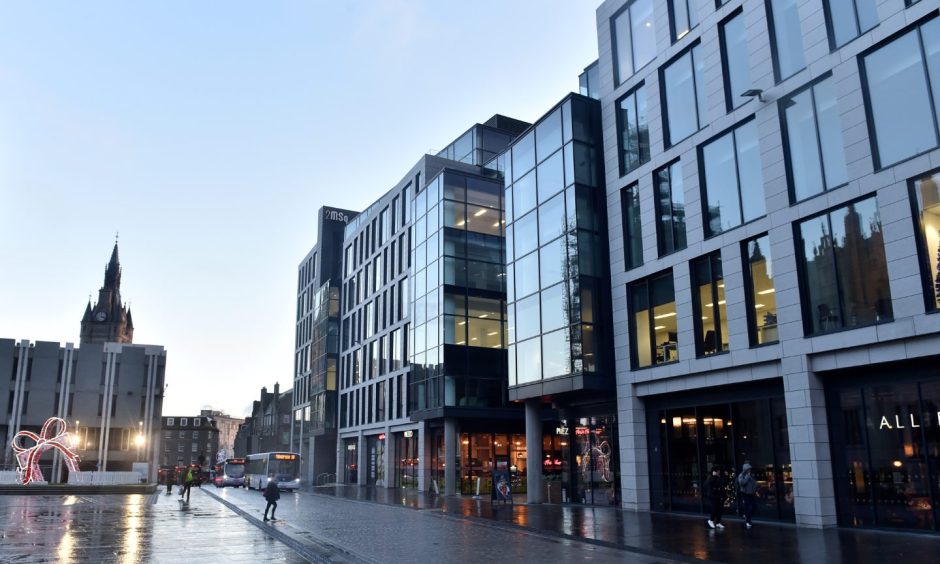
(381, 436)
(408, 434)
(899, 422)
(561, 430)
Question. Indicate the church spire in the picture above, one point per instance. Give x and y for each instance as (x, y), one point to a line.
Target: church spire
(112, 273)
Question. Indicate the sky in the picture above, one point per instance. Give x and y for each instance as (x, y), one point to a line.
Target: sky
(208, 134)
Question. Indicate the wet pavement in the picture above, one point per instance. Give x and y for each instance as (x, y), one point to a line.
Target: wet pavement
(677, 536)
(129, 529)
(378, 532)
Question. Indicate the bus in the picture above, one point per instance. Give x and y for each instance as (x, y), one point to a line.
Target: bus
(283, 466)
(230, 473)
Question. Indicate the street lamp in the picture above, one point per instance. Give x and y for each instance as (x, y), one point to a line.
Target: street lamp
(139, 440)
(76, 438)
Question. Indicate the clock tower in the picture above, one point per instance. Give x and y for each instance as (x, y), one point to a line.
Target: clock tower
(108, 321)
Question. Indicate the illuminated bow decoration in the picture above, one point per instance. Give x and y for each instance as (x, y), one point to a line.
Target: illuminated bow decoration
(52, 436)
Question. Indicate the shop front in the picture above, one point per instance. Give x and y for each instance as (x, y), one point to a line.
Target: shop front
(351, 461)
(581, 458)
(407, 463)
(482, 453)
(375, 460)
(885, 434)
(689, 434)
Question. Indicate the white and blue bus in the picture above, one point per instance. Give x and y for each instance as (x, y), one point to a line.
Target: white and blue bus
(283, 467)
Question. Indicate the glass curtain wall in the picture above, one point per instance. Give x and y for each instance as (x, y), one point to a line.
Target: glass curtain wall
(554, 246)
(459, 314)
(481, 453)
(760, 291)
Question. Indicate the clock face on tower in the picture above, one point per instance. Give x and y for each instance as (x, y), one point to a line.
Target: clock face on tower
(101, 316)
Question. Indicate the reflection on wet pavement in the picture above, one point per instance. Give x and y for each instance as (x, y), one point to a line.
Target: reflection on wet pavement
(658, 533)
(129, 529)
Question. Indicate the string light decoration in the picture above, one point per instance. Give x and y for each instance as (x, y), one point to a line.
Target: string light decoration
(53, 436)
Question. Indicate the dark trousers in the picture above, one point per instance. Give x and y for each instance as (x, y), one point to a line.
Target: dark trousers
(169, 487)
(272, 505)
(748, 506)
(718, 507)
(185, 491)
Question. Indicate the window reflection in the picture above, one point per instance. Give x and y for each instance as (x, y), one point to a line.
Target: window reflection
(633, 33)
(632, 232)
(670, 209)
(762, 301)
(655, 328)
(683, 16)
(844, 269)
(682, 81)
(737, 74)
(733, 184)
(633, 130)
(926, 195)
(850, 18)
(784, 24)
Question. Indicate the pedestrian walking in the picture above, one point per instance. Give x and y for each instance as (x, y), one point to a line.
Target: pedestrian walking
(187, 483)
(715, 490)
(272, 494)
(747, 488)
(170, 480)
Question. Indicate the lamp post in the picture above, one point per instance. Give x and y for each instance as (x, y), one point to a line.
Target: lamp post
(139, 440)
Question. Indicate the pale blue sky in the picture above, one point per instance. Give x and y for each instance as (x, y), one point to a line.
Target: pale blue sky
(209, 133)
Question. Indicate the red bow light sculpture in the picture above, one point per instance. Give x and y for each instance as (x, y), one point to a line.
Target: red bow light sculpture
(52, 436)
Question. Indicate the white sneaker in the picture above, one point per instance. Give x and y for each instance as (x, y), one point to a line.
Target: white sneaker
(711, 524)
(748, 525)
(719, 525)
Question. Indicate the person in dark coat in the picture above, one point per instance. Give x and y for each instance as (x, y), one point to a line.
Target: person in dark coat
(170, 480)
(715, 490)
(747, 487)
(272, 494)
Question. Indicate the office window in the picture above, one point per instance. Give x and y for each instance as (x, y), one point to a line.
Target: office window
(195, 447)
(732, 181)
(169, 421)
(898, 87)
(632, 234)
(813, 133)
(926, 198)
(179, 447)
(197, 421)
(634, 38)
(182, 434)
(759, 285)
(683, 16)
(683, 94)
(844, 274)
(632, 130)
(737, 73)
(184, 421)
(670, 209)
(847, 19)
(786, 37)
(708, 302)
(654, 335)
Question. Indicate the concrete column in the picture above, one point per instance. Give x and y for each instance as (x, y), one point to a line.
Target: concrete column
(390, 460)
(424, 459)
(634, 451)
(361, 460)
(533, 446)
(450, 456)
(813, 488)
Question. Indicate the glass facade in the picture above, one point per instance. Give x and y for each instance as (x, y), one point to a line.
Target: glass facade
(670, 209)
(633, 130)
(733, 184)
(886, 465)
(734, 53)
(844, 273)
(407, 464)
(683, 93)
(708, 302)
(760, 291)
(554, 248)
(477, 146)
(655, 333)
(901, 85)
(847, 19)
(687, 440)
(458, 309)
(633, 33)
(925, 197)
(814, 145)
(786, 37)
(482, 453)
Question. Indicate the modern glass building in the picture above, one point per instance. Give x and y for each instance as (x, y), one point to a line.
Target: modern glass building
(316, 345)
(774, 259)
(560, 343)
(423, 346)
